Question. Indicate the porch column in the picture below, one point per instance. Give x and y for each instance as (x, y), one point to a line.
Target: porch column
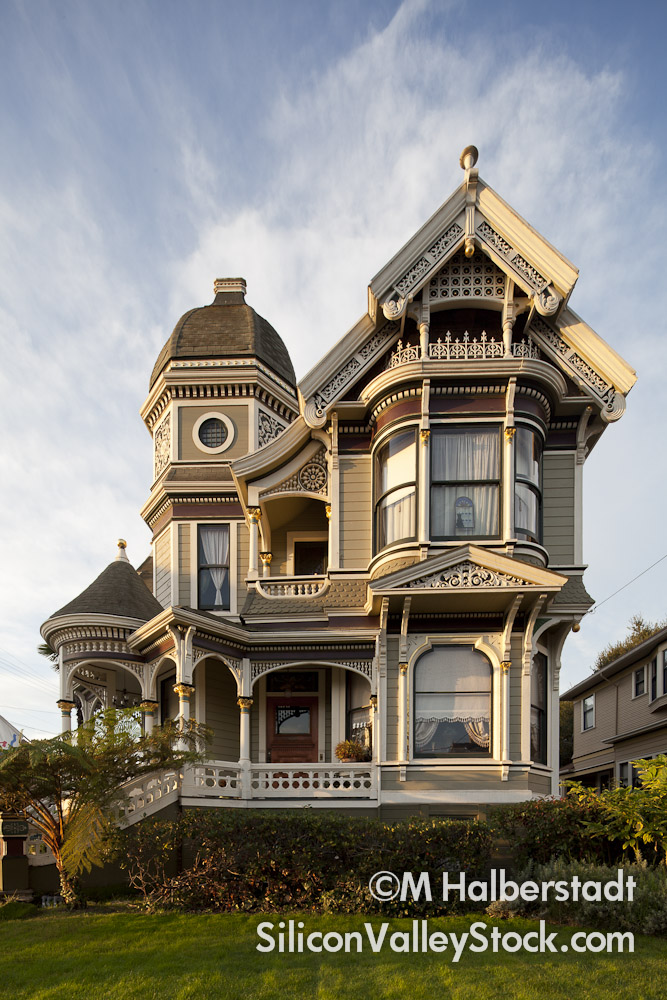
(245, 704)
(184, 692)
(266, 558)
(148, 708)
(253, 557)
(66, 707)
(403, 712)
(505, 711)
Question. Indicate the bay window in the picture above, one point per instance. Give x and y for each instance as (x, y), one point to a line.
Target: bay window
(465, 482)
(213, 567)
(452, 708)
(396, 490)
(528, 486)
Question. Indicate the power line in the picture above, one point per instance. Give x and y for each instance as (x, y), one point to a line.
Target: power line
(600, 603)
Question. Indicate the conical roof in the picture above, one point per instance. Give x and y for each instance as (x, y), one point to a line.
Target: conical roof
(119, 591)
(227, 328)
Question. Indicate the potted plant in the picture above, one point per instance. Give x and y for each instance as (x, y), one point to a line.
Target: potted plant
(352, 751)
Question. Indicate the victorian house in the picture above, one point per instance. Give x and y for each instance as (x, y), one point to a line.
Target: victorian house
(388, 550)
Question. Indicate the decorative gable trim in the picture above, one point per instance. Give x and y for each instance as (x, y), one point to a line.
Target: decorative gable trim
(465, 575)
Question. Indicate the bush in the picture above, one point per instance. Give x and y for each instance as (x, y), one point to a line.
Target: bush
(305, 860)
(542, 829)
(14, 909)
(645, 914)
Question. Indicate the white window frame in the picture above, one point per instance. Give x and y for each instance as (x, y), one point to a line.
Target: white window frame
(224, 419)
(636, 671)
(302, 536)
(233, 565)
(584, 728)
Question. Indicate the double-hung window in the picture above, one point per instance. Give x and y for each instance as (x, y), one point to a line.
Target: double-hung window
(588, 712)
(452, 707)
(213, 567)
(396, 490)
(465, 482)
(528, 485)
(639, 682)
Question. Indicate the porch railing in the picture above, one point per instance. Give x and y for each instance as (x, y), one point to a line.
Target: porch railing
(313, 781)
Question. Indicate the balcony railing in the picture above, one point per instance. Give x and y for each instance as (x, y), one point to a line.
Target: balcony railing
(293, 586)
(313, 781)
(465, 348)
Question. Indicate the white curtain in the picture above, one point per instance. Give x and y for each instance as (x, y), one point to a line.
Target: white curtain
(464, 454)
(215, 544)
(397, 516)
(397, 463)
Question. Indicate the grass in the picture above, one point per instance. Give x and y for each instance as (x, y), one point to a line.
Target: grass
(112, 953)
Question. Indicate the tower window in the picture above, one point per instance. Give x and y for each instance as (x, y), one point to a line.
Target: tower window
(213, 433)
(213, 567)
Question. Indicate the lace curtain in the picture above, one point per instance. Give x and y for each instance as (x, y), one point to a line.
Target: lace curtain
(214, 542)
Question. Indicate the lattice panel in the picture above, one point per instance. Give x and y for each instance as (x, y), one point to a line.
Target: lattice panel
(466, 278)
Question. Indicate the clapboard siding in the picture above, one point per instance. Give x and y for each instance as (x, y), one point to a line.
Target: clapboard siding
(355, 512)
(163, 568)
(558, 507)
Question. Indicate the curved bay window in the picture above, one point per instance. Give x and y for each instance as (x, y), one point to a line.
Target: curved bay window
(528, 484)
(465, 482)
(452, 703)
(396, 490)
(538, 709)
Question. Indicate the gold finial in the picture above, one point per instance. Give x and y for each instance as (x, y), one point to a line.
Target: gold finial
(122, 545)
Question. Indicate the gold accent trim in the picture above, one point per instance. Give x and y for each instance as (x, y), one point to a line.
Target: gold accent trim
(403, 667)
(510, 432)
(506, 664)
(184, 691)
(266, 558)
(424, 434)
(245, 704)
(327, 511)
(255, 514)
(66, 706)
(148, 705)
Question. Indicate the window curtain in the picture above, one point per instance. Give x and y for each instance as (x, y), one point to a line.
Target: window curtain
(464, 456)
(215, 550)
(453, 685)
(397, 463)
(397, 516)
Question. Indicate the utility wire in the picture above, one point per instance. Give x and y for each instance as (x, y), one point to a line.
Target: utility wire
(600, 603)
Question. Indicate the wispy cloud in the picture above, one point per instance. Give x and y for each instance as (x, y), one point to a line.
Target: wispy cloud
(156, 187)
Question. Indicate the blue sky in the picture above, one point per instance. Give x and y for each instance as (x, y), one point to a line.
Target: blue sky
(151, 147)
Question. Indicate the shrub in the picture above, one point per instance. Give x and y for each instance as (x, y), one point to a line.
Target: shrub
(305, 860)
(542, 829)
(645, 914)
(15, 909)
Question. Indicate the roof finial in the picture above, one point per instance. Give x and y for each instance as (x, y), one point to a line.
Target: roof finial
(229, 285)
(468, 157)
(122, 545)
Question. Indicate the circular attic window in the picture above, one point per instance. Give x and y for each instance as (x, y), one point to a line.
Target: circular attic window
(213, 433)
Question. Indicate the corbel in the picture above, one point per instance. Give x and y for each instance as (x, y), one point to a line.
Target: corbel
(528, 635)
(467, 162)
(507, 630)
(509, 408)
(381, 642)
(403, 641)
(582, 437)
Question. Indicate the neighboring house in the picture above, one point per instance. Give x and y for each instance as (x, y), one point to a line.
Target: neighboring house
(620, 715)
(390, 549)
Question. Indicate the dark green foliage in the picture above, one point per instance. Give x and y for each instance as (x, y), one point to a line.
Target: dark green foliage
(14, 909)
(542, 829)
(305, 860)
(639, 630)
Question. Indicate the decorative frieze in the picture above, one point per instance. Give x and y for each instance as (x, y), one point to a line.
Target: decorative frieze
(316, 406)
(311, 478)
(162, 442)
(464, 576)
(530, 275)
(580, 370)
(268, 428)
(461, 278)
(412, 277)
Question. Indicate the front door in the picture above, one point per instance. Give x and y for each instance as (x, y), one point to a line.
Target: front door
(291, 729)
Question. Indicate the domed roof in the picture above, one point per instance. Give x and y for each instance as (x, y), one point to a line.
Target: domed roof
(119, 591)
(227, 328)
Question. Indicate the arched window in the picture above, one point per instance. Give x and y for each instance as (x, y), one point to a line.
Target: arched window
(396, 490)
(452, 703)
(528, 485)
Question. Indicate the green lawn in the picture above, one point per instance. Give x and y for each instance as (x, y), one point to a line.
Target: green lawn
(109, 952)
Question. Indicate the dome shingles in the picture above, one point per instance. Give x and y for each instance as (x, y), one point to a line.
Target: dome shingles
(118, 591)
(227, 328)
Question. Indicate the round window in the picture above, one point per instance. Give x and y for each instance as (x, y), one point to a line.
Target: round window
(213, 433)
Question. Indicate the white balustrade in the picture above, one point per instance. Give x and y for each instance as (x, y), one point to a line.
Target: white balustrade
(147, 794)
(313, 781)
(216, 779)
(306, 586)
(465, 348)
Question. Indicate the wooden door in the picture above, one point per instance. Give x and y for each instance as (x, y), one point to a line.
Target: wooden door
(291, 729)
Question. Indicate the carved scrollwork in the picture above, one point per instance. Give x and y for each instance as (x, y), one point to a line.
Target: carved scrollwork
(464, 576)
(268, 428)
(162, 441)
(394, 308)
(312, 477)
(547, 301)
